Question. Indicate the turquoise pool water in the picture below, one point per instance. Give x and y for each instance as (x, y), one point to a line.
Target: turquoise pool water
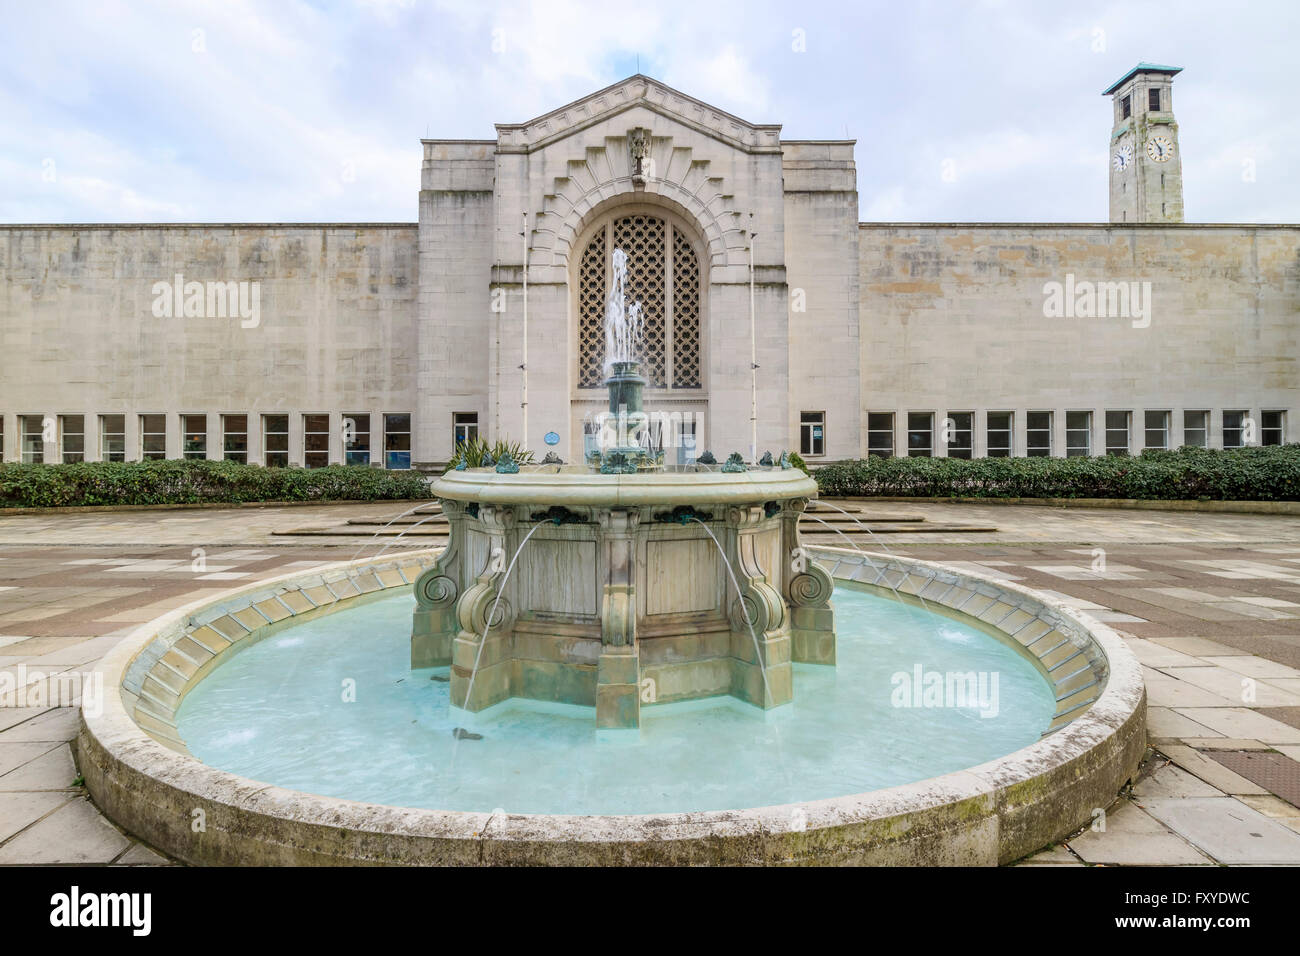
(277, 713)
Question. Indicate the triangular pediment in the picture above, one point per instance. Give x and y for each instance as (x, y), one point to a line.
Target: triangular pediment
(638, 91)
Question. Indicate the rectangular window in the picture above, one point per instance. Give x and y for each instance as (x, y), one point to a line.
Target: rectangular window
(1234, 423)
(464, 427)
(1117, 433)
(999, 434)
(812, 433)
(112, 438)
(31, 433)
(1153, 100)
(356, 439)
(1038, 434)
(316, 440)
(1272, 428)
(1078, 434)
(880, 434)
(1196, 429)
(397, 441)
(1156, 430)
(153, 437)
(72, 438)
(920, 434)
(275, 441)
(959, 435)
(194, 434)
(1126, 106)
(234, 437)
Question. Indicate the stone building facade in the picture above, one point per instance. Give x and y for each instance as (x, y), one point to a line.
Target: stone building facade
(385, 343)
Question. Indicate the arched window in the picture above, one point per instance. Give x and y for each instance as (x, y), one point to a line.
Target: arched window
(663, 274)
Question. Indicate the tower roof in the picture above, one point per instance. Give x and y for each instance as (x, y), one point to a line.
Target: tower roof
(1142, 68)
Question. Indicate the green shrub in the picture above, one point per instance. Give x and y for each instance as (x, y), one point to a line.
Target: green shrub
(1244, 474)
(190, 481)
(797, 460)
(472, 452)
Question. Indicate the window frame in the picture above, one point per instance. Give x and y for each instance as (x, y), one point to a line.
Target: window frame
(67, 456)
(267, 432)
(36, 456)
(918, 451)
(146, 454)
(1203, 428)
(1163, 430)
(353, 454)
(1040, 451)
(889, 432)
(234, 454)
(315, 457)
(809, 420)
(968, 431)
(1265, 429)
(1073, 450)
(471, 428)
(1116, 450)
(104, 435)
(188, 453)
(996, 451)
(1239, 428)
(390, 433)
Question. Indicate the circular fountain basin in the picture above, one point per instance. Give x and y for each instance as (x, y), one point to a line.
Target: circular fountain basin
(840, 775)
(275, 713)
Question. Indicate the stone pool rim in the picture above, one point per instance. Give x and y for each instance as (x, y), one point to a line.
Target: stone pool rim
(992, 813)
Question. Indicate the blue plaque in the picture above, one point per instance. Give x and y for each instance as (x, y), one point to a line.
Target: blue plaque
(552, 438)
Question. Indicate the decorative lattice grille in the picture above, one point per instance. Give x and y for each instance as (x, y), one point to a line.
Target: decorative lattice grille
(644, 238)
(591, 312)
(686, 314)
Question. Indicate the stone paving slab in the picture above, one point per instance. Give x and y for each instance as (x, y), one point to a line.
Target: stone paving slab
(1227, 829)
(1134, 838)
(20, 810)
(74, 833)
(53, 770)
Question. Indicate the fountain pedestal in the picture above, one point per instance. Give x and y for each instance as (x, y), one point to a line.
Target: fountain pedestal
(622, 598)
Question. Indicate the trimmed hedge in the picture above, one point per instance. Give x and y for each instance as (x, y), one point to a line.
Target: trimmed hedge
(188, 482)
(1244, 474)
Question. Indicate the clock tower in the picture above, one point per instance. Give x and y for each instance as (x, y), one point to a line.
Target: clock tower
(1146, 165)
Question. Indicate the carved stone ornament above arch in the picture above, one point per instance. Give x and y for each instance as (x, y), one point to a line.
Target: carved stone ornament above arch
(605, 178)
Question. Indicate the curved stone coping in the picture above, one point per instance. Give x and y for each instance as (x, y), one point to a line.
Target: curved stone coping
(571, 485)
(142, 778)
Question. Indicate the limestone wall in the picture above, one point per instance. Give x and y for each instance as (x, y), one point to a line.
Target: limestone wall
(333, 331)
(953, 320)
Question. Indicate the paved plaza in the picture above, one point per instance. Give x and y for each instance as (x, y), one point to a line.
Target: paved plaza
(1209, 603)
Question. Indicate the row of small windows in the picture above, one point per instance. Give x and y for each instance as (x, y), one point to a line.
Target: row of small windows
(1238, 432)
(999, 432)
(361, 438)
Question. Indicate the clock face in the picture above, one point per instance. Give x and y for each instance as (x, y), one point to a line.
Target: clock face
(1123, 157)
(1160, 149)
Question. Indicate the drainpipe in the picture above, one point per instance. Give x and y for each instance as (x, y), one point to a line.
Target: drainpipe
(523, 404)
(753, 359)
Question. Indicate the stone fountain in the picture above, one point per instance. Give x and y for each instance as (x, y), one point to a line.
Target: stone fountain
(618, 583)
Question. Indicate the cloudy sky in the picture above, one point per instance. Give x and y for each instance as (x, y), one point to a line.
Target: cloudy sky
(298, 111)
